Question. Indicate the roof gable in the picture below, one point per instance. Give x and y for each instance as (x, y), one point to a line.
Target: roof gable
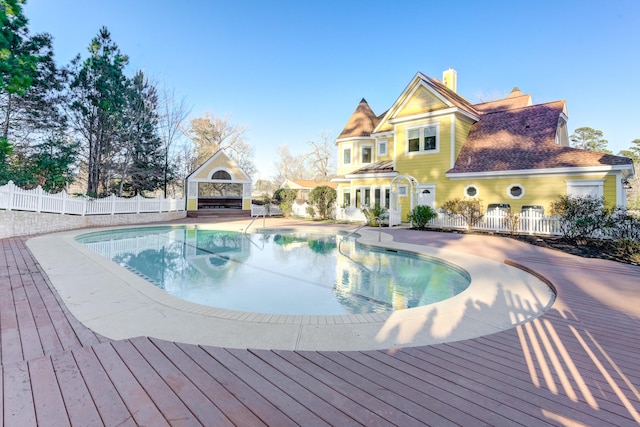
(424, 95)
(422, 100)
(219, 161)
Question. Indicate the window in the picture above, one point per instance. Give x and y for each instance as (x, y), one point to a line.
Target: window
(422, 139)
(346, 197)
(346, 156)
(585, 188)
(387, 195)
(515, 191)
(402, 190)
(221, 175)
(366, 154)
(471, 191)
(382, 148)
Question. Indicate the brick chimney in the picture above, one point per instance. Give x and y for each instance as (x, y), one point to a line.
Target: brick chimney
(450, 79)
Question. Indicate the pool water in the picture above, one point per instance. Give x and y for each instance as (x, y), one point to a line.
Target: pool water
(279, 271)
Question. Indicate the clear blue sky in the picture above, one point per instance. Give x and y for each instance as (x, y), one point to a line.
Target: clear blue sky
(290, 70)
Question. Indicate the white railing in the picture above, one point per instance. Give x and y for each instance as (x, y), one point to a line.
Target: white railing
(13, 197)
(528, 222)
(261, 210)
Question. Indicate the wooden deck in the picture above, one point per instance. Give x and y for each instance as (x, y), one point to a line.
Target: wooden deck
(576, 365)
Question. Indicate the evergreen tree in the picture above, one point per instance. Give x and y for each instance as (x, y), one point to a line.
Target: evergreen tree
(98, 92)
(143, 157)
(30, 95)
(591, 139)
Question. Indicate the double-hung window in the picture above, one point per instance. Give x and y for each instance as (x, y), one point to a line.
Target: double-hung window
(346, 156)
(382, 147)
(422, 139)
(367, 152)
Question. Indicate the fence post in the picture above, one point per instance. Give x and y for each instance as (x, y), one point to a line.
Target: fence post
(113, 204)
(12, 187)
(63, 193)
(38, 199)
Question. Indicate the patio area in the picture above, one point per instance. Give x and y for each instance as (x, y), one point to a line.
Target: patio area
(577, 364)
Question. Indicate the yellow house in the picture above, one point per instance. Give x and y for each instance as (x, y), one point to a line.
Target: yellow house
(218, 186)
(433, 145)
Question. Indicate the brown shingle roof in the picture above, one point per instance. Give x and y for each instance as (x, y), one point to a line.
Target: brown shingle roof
(378, 167)
(361, 123)
(523, 138)
(452, 96)
(515, 100)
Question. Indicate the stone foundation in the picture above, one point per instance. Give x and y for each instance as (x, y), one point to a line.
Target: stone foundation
(18, 223)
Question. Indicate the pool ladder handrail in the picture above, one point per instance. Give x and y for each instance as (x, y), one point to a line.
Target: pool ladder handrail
(360, 228)
(264, 218)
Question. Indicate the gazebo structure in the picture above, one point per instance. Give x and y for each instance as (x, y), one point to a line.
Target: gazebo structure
(218, 186)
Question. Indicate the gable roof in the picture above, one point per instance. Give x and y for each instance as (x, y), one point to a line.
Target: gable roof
(218, 160)
(362, 122)
(449, 98)
(523, 138)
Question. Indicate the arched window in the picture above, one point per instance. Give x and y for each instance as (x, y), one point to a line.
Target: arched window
(221, 175)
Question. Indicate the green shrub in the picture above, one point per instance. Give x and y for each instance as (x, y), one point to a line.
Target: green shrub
(469, 209)
(285, 198)
(321, 201)
(375, 215)
(421, 215)
(581, 217)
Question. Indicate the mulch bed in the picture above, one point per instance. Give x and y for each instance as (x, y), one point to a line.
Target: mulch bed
(591, 248)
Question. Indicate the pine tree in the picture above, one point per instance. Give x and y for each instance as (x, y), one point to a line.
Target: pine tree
(98, 92)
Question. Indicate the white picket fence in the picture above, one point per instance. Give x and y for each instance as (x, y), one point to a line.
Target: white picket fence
(528, 222)
(13, 197)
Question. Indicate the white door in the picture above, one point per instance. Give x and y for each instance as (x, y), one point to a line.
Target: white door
(427, 196)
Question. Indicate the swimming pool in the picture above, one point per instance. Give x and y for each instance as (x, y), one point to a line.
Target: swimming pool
(279, 271)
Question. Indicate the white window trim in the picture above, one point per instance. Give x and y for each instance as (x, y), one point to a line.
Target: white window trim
(421, 141)
(511, 196)
(379, 142)
(598, 183)
(467, 188)
(344, 148)
(370, 146)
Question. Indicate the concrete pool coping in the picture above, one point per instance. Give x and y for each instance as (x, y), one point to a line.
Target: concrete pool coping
(118, 304)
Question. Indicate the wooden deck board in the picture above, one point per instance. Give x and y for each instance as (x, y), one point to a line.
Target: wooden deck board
(303, 395)
(135, 397)
(235, 411)
(259, 405)
(285, 403)
(577, 364)
(338, 402)
(102, 392)
(47, 397)
(194, 400)
(74, 391)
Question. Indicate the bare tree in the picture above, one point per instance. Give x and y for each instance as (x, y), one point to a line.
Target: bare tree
(321, 158)
(211, 133)
(173, 113)
(289, 166)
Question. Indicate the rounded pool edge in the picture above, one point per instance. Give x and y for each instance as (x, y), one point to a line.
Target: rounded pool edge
(118, 304)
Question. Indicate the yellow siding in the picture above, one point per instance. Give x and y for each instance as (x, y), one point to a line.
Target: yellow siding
(219, 162)
(192, 204)
(425, 167)
(421, 102)
(539, 190)
(462, 129)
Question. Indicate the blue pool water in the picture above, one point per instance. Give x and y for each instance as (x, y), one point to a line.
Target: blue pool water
(278, 272)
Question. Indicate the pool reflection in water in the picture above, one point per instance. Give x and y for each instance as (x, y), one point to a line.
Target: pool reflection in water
(279, 272)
